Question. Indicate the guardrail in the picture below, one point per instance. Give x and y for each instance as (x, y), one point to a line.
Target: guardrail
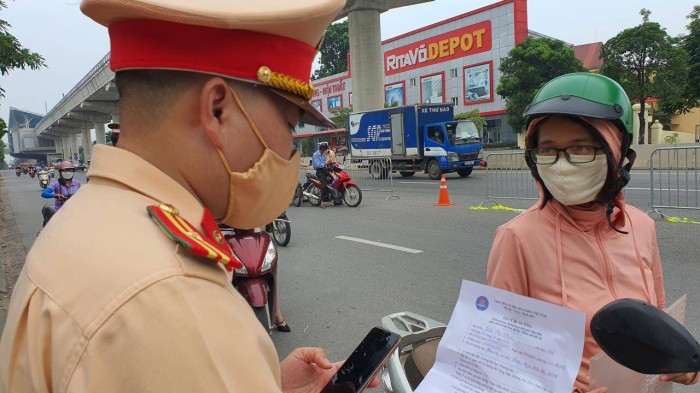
(372, 174)
(508, 177)
(675, 178)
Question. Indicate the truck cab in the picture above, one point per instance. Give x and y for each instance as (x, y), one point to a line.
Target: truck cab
(454, 146)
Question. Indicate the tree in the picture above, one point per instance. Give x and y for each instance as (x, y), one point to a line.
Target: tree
(334, 51)
(647, 62)
(473, 115)
(691, 44)
(12, 54)
(528, 66)
(341, 117)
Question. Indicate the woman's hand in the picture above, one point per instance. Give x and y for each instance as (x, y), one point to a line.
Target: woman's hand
(582, 382)
(682, 378)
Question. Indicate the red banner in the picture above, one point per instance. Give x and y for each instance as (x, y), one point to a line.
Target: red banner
(466, 41)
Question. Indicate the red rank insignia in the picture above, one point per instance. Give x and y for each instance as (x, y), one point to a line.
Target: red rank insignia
(210, 244)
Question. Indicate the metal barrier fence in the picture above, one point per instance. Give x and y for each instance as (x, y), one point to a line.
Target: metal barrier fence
(372, 174)
(508, 177)
(675, 178)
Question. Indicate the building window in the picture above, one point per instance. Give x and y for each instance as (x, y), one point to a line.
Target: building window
(413, 82)
(455, 101)
(453, 72)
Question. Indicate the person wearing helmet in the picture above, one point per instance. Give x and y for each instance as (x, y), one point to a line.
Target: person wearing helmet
(209, 93)
(64, 187)
(318, 160)
(581, 246)
(114, 135)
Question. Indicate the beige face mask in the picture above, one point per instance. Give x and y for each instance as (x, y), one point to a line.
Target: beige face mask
(259, 195)
(575, 184)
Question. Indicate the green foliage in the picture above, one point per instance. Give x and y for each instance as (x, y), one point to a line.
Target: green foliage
(671, 139)
(473, 115)
(529, 66)
(691, 45)
(341, 117)
(334, 51)
(647, 62)
(12, 54)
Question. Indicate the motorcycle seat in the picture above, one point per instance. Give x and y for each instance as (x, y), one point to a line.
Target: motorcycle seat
(420, 361)
(311, 176)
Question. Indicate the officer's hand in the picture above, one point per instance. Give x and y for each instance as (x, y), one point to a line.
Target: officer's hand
(309, 370)
(59, 196)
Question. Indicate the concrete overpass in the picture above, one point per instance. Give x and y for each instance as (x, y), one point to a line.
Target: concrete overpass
(94, 100)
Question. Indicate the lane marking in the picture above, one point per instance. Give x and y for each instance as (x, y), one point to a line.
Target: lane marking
(378, 244)
(419, 182)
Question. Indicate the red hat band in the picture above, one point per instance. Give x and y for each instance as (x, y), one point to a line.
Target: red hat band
(280, 62)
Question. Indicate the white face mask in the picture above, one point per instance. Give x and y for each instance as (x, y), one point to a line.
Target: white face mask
(67, 175)
(574, 184)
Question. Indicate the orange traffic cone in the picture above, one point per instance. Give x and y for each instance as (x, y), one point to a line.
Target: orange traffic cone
(444, 198)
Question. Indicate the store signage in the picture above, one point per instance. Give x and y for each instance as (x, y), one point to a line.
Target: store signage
(455, 44)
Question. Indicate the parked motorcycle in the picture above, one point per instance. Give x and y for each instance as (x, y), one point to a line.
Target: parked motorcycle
(256, 280)
(43, 179)
(280, 229)
(344, 190)
(18, 172)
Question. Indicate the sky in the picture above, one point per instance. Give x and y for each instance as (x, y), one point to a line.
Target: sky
(72, 44)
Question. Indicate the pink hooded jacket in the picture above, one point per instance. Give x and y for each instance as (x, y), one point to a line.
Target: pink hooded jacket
(570, 256)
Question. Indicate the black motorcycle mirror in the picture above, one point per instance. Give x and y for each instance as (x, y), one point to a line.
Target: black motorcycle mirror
(645, 339)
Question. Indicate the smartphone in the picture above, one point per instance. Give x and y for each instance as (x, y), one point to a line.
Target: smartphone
(364, 362)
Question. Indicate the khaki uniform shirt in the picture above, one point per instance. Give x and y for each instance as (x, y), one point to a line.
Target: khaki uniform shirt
(106, 302)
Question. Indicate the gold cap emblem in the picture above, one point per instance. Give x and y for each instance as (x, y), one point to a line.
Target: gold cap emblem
(264, 74)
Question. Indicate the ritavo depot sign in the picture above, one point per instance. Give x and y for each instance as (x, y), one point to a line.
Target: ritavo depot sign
(467, 41)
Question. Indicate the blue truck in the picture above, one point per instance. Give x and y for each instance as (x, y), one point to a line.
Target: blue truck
(418, 138)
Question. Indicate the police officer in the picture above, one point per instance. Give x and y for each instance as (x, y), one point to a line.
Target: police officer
(208, 94)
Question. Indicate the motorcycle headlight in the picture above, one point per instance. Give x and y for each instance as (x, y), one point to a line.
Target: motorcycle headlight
(452, 157)
(270, 256)
(242, 271)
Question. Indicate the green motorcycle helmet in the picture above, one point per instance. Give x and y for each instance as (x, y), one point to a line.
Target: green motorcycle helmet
(583, 94)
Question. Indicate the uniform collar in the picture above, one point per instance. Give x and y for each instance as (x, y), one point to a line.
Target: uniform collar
(132, 171)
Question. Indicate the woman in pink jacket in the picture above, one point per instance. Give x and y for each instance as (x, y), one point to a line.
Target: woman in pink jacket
(581, 246)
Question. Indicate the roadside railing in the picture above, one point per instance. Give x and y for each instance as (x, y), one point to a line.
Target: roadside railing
(508, 178)
(372, 174)
(675, 178)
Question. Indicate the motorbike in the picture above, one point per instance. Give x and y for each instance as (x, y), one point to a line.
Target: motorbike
(52, 172)
(257, 279)
(32, 172)
(18, 172)
(635, 334)
(43, 179)
(280, 229)
(344, 190)
(48, 211)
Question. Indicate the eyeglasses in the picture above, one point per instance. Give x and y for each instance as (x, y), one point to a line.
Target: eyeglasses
(573, 154)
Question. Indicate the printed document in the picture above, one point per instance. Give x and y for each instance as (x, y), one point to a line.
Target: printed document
(501, 342)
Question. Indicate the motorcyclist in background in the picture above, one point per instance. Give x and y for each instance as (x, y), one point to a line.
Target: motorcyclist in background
(61, 189)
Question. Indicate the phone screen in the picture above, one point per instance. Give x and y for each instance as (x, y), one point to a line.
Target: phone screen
(364, 362)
